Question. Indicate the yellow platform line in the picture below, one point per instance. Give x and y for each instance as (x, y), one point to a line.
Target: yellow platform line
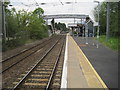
(97, 75)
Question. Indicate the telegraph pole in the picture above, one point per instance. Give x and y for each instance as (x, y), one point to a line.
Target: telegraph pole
(0, 20)
(108, 21)
(98, 23)
(98, 31)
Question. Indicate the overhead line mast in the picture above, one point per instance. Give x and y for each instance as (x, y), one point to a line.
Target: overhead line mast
(37, 4)
(61, 2)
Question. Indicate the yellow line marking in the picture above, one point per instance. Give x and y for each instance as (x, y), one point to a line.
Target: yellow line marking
(99, 78)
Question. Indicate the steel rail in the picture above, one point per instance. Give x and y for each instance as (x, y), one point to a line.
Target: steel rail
(23, 79)
(23, 51)
(54, 69)
(22, 59)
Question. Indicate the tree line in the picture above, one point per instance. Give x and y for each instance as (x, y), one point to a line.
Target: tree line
(114, 18)
(58, 26)
(61, 26)
(23, 25)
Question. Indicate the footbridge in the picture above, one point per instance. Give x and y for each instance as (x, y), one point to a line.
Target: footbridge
(79, 25)
(59, 16)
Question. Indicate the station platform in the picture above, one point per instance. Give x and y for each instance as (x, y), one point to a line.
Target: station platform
(78, 71)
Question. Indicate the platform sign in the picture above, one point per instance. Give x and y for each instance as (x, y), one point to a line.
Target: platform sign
(95, 24)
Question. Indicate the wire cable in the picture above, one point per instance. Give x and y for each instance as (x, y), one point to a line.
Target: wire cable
(61, 2)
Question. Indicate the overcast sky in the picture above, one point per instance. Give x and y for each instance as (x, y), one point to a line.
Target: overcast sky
(58, 7)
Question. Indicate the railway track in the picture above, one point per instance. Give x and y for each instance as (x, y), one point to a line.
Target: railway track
(46, 73)
(15, 59)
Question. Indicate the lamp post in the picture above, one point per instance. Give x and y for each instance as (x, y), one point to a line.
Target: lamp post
(98, 23)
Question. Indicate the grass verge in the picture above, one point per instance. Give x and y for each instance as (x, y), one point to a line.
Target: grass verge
(112, 43)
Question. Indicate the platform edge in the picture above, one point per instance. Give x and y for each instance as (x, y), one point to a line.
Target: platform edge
(64, 72)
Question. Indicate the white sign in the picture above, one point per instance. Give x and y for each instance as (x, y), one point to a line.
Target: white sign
(95, 24)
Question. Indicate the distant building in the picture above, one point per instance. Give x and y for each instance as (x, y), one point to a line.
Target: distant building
(90, 28)
(82, 29)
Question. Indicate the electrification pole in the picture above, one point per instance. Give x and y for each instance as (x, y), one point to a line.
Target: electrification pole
(0, 20)
(108, 21)
(3, 23)
(98, 31)
(98, 23)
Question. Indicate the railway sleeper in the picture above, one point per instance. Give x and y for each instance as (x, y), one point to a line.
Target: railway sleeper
(47, 70)
(42, 72)
(55, 85)
(59, 72)
(40, 76)
(46, 67)
(47, 64)
(36, 81)
(36, 87)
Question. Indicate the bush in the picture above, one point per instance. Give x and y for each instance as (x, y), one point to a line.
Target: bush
(22, 26)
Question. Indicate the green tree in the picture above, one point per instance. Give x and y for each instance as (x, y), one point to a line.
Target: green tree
(39, 12)
(37, 26)
(62, 26)
(22, 25)
(26, 21)
(113, 18)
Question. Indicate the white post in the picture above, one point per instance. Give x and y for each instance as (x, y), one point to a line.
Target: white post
(93, 34)
(86, 33)
(98, 23)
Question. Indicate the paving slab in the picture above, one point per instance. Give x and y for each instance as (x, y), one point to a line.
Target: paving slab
(103, 59)
(80, 73)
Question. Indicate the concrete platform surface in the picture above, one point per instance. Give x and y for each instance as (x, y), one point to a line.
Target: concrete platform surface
(80, 72)
(103, 59)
